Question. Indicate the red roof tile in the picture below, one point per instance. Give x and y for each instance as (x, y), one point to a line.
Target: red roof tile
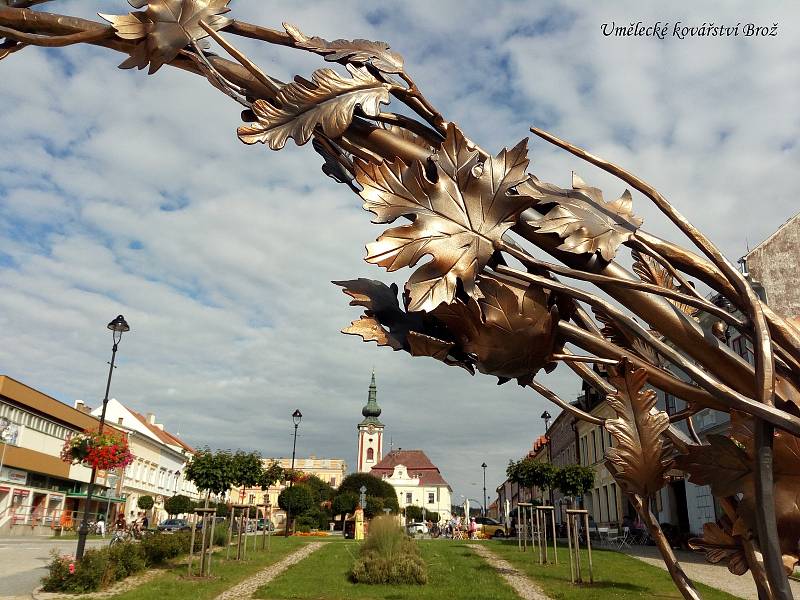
(417, 464)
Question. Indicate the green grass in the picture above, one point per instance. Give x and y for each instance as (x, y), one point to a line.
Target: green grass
(616, 575)
(454, 573)
(174, 585)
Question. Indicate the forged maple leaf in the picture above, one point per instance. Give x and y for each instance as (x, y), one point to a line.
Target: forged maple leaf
(640, 458)
(727, 465)
(167, 26)
(360, 51)
(720, 545)
(329, 101)
(587, 223)
(650, 271)
(509, 331)
(457, 219)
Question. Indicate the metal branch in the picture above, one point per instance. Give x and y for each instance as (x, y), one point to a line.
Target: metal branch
(643, 246)
(573, 410)
(701, 303)
(584, 359)
(57, 41)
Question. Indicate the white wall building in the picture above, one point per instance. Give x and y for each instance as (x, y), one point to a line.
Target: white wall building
(159, 466)
(416, 480)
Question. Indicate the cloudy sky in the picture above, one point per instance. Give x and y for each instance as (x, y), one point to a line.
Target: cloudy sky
(127, 193)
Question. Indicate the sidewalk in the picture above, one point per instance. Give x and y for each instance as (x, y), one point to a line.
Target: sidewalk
(699, 570)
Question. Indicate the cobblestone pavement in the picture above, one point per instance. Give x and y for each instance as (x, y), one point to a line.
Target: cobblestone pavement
(716, 576)
(525, 588)
(245, 589)
(23, 560)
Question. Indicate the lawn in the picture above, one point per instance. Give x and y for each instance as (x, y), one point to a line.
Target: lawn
(616, 575)
(454, 573)
(174, 585)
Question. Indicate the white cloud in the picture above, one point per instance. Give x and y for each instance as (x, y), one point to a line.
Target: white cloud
(234, 321)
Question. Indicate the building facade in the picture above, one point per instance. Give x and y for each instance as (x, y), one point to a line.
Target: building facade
(417, 481)
(160, 460)
(38, 490)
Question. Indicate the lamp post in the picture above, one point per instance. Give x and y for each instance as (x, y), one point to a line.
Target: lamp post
(297, 416)
(485, 499)
(118, 326)
(546, 417)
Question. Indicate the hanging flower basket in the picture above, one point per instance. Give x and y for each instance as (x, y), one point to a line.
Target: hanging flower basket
(101, 451)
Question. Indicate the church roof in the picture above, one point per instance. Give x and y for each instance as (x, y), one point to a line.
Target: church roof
(416, 463)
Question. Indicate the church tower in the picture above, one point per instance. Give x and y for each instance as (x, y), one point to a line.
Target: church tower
(370, 432)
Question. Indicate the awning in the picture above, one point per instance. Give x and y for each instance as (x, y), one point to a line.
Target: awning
(4, 489)
(96, 497)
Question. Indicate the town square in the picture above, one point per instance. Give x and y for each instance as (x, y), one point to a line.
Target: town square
(335, 300)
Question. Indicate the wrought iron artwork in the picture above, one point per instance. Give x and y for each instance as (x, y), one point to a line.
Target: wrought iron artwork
(467, 212)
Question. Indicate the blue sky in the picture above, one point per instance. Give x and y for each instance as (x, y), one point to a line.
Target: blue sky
(127, 193)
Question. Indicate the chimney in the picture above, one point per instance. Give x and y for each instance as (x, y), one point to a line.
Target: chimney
(159, 425)
(151, 418)
(79, 405)
(119, 420)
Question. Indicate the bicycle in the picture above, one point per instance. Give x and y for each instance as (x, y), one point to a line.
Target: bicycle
(120, 535)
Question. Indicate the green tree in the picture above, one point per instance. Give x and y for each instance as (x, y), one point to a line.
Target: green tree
(376, 487)
(375, 506)
(573, 480)
(246, 469)
(531, 473)
(178, 505)
(320, 490)
(271, 475)
(433, 516)
(413, 514)
(344, 503)
(145, 502)
(296, 500)
(211, 471)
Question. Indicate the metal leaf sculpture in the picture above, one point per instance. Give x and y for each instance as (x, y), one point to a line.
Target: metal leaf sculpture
(587, 223)
(458, 217)
(466, 306)
(168, 26)
(329, 103)
(650, 271)
(718, 545)
(360, 51)
(509, 331)
(640, 458)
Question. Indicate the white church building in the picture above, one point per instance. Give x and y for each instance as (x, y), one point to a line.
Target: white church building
(417, 481)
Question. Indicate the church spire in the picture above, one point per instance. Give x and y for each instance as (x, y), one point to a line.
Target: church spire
(371, 410)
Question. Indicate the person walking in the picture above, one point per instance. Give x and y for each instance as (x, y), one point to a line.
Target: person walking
(473, 528)
(101, 526)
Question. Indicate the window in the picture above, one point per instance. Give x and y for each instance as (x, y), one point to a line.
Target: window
(431, 498)
(669, 401)
(408, 497)
(252, 499)
(594, 445)
(612, 514)
(333, 481)
(744, 348)
(370, 454)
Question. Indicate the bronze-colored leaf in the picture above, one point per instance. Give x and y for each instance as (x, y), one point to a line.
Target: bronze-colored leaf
(408, 136)
(650, 270)
(9, 46)
(383, 321)
(425, 345)
(509, 331)
(166, 26)
(786, 480)
(359, 51)
(721, 464)
(640, 458)
(329, 101)
(333, 167)
(720, 545)
(585, 222)
(457, 219)
(624, 339)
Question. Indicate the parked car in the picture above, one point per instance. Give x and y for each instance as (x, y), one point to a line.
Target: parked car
(172, 525)
(262, 523)
(417, 528)
(491, 528)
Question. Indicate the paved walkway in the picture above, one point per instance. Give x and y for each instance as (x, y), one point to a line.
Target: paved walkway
(245, 589)
(525, 588)
(699, 570)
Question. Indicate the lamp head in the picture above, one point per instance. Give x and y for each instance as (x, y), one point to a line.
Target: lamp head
(118, 326)
(297, 416)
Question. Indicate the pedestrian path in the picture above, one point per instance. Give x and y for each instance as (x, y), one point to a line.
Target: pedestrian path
(701, 571)
(525, 588)
(246, 588)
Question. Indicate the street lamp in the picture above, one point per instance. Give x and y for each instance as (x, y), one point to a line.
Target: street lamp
(118, 326)
(546, 416)
(297, 416)
(485, 499)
